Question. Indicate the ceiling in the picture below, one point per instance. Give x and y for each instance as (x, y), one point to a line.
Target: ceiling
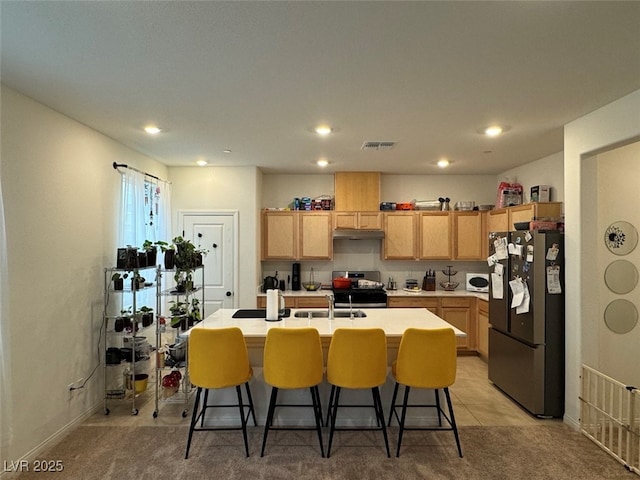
(256, 77)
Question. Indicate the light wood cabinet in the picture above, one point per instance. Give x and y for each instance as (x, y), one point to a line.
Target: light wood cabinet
(279, 235)
(400, 241)
(312, 301)
(357, 191)
(498, 220)
(315, 239)
(430, 303)
(296, 235)
(461, 313)
(357, 220)
(469, 236)
(483, 329)
(529, 211)
(434, 236)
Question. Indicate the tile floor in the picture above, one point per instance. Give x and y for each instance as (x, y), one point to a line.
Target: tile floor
(476, 402)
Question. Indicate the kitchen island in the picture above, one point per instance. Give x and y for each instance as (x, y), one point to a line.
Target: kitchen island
(394, 321)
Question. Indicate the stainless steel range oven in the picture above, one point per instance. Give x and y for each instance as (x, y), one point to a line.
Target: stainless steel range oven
(366, 290)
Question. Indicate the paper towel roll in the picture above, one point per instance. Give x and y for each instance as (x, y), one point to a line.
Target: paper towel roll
(272, 304)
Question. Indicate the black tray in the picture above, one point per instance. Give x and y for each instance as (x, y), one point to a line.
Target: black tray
(257, 313)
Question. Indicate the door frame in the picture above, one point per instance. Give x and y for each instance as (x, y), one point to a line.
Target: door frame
(182, 214)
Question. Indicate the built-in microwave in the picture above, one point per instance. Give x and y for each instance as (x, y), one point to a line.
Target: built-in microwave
(477, 282)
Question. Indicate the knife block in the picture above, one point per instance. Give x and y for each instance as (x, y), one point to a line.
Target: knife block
(429, 284)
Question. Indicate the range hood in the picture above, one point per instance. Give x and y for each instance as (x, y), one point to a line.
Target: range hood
(354, 234)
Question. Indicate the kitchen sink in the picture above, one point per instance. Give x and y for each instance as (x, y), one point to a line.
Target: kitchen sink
(325, 314)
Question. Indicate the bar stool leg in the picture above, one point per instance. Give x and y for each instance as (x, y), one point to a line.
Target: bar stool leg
(453, 420)
(317, 410)
(267, 425)
(252, 411)
(392, 410)
(334, 411)
(377, 403)
(437, 392)
(333, 391)
(403, 417)
(244, 421)
(194, 419)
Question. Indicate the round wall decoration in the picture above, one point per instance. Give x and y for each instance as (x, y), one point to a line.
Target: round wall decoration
(621, 276)
(621, 316)
(621, 238)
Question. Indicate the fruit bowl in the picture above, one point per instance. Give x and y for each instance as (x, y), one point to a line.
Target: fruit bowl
(449, 286)
(312, 287)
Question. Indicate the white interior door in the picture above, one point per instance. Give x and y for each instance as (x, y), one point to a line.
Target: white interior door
(217, 233)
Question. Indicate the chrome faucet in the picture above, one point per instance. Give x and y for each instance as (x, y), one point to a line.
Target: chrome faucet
(350, 308)
(331, 302)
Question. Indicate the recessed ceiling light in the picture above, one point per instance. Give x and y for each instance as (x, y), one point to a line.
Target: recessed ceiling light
(202, 163)
(323, 130)
(493, 131)
(152, 129)
(322, 163)
(443, 163)
(226, 150)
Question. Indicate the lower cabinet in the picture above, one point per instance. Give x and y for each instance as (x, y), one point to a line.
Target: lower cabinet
(483, 329)
(430, 303)
(459, 312)
(314, 301)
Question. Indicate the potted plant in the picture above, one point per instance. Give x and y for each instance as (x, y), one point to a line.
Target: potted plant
(151, 250)
(123, 322)
(194, 314)
(118, 280)
(169, 254)
(179, 312)
(185, 253)
(146, 315)
(137, 282)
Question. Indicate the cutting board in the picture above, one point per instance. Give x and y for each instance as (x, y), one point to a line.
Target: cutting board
(257, 313)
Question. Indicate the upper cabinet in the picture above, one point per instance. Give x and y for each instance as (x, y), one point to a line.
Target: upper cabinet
(357, 191)
(290, 235)
(400, 241)
(498, 220)
(469, 235)
(434, 232)
(357, 220)
(530, 211)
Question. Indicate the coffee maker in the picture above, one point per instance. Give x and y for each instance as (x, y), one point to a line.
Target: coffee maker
(295, 277)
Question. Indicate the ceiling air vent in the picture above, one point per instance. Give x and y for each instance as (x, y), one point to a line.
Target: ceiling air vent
(377, 145)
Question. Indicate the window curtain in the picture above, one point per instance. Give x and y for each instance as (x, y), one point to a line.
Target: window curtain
(6, 429)
(145, 214)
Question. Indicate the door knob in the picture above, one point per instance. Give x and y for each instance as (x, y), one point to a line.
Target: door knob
(229, 294)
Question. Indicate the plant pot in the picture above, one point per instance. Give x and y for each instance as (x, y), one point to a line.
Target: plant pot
(147, 319)
(118, 324)
(152, 256)
(169, 259)
(118, 284)
(198, 259)
(142, 259)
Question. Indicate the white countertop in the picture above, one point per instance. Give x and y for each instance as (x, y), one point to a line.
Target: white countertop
(394, 321)
(390, 293)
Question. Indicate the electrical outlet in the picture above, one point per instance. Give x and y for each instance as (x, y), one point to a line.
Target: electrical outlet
(75, 385)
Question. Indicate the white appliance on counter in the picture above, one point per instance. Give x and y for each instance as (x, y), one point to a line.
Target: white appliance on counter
(477, 282)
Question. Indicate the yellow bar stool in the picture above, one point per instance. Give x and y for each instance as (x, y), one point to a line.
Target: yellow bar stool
(357, 359)
(426, 359)
(293, 360)
(218, 359)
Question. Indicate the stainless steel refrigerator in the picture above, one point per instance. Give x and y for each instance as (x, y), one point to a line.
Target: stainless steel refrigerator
(526, 343)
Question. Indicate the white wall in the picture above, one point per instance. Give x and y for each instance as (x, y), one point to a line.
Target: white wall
(61, 196)
(546, 171)
(604, 129)
(225, 188)
(618, 177)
